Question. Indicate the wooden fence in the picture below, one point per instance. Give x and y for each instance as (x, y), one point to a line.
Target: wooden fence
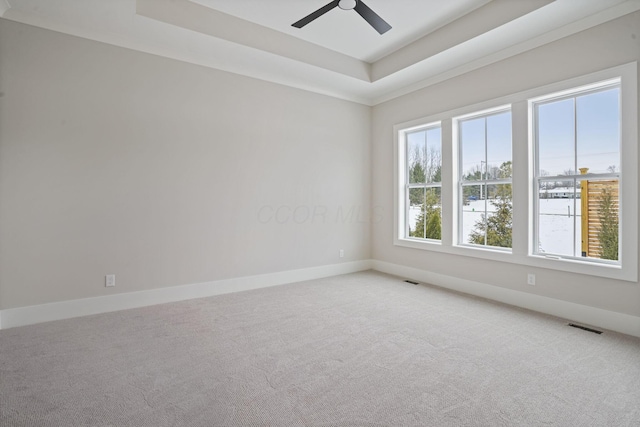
(591, 194)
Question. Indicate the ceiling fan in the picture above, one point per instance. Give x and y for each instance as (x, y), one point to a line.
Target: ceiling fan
(369, 15)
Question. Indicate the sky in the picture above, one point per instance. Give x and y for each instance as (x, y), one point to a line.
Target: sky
(429, 140)
(572, 133)
(596, 125)
(498, 142)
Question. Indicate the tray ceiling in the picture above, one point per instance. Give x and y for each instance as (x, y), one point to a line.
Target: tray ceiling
(338, 54)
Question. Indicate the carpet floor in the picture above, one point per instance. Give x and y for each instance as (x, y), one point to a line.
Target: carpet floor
(364, 349)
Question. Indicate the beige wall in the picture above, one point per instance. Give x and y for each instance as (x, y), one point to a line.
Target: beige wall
(165, 173)
(605, 46)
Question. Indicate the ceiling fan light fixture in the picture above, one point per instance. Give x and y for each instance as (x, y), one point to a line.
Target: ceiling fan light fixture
(347, 4)
(380, 25)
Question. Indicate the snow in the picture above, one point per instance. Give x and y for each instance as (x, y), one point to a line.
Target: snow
(556, 223)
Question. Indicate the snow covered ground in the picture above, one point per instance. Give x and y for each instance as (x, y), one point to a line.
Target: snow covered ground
(558, 217)
(556, 223)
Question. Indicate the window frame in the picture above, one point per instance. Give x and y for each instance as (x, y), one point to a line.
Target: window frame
(572, 94)
(523, 183)
(406, 185)
(457, 123)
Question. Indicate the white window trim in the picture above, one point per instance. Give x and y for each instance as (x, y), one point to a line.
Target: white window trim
(405, 175)
(459, 172)
(523, 183)
(553, 97)
(401, 174)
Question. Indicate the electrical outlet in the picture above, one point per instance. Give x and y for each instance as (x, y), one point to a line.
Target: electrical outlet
(531, 279)
(341, 253)
(110, 280)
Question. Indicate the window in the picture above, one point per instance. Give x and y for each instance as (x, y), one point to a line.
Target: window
(577, 173)
(423, 171)
(546, 178)
(485, 196)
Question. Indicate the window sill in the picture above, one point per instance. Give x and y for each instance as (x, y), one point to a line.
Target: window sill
(609, 271)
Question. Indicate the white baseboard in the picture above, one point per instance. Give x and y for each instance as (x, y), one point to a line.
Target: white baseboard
(22, 316)
(578, 313)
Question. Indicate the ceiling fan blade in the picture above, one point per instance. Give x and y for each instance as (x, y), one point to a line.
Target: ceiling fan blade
(315, 15)
(372, 18)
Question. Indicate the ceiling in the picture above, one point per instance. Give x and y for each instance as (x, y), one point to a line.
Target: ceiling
(338, 54)
(345, 31)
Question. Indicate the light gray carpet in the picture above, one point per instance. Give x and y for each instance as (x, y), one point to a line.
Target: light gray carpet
(364, 349)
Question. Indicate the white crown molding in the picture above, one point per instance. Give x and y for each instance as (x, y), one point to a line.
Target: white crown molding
(202, 19)
(443, 66)
(184, 30)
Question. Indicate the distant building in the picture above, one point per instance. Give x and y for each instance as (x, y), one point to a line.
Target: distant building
(560, 193)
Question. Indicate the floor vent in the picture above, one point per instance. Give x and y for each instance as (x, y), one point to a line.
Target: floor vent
(411, 281)
(584, 328)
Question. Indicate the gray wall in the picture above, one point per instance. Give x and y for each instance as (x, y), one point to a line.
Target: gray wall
(165, 173)
(605, 46)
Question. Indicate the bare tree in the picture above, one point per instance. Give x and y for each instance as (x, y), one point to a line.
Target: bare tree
(433, 164)
(546, 185)
(568, 183)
